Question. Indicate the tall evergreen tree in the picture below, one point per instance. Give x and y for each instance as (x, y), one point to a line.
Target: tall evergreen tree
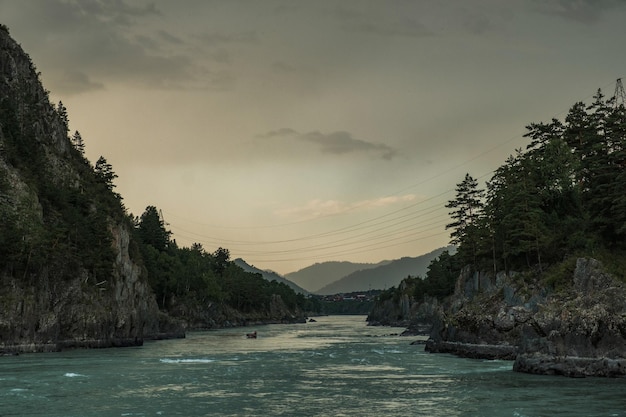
(151, 229)
(467, 208)
(62, 112)
(77, 141)
(104, 172)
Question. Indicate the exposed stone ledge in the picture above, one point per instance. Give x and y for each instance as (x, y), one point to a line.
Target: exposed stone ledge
(571, 366)
(10, 349)
(471, 350)
(7, 350)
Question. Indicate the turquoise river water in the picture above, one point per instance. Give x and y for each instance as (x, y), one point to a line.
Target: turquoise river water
(336, 366)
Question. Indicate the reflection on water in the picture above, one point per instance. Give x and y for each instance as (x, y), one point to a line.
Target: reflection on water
(335, 366)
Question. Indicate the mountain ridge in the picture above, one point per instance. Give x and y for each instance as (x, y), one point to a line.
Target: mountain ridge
(269, 275)
(383, 276)
(320, 274)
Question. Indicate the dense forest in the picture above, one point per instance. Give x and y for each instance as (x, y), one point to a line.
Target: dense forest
(75, 233)
(192, 276)
(562, 196)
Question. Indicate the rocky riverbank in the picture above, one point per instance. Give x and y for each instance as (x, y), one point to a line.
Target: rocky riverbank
(575, 329)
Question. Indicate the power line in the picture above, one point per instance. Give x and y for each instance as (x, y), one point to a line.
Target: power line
(346, 229)
(400, 226)
(387, 230)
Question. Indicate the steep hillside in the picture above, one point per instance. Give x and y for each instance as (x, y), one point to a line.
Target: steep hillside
(67, 273)
(269, 276)
(540, 261)
(384, 276)
(77, 270)
(317, 276)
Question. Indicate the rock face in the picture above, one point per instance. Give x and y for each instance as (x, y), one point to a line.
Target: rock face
(49, 299)
(577, 330)
(417, 317)
(70, 273)
(582, 332)
(50, 315)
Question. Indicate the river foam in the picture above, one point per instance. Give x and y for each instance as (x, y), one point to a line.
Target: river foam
(186, 360)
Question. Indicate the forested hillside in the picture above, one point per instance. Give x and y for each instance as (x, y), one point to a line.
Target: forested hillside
(564, 195)
(68, 274)
(76, 268)
(188, 282)
(539, 272)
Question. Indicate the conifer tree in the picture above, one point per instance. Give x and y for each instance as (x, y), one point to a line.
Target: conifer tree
(62, 111)
(151, 229)
(104, 172)
(78, 143)
(467, 209)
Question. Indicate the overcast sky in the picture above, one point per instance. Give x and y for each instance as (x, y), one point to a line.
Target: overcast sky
(294, 132)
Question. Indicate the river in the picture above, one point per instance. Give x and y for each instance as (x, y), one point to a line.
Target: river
(336, 366)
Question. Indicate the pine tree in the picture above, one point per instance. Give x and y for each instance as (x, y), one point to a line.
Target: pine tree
(78, 143)
(62, 112)
(151, 229)
(467, 209)
(104, 172)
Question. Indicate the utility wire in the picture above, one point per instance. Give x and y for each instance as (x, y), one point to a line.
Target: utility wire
(335, 238)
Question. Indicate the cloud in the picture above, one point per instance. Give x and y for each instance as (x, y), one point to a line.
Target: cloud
(370, 22)
(165, 35)
(116, 42)
(323, 208)
(338, 143)
(335, 143)
(119, 11)
(282, 132)
(405, 28)
(221, 38)
(284, 68)
(583, 11)
(75, 82)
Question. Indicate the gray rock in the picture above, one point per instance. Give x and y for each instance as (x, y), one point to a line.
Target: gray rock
(578, 331)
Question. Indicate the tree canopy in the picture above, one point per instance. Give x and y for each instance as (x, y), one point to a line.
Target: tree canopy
(193, 276)
(563, 195)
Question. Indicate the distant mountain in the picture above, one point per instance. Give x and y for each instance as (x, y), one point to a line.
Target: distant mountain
(269, 275)
(319, 275)
(383, 276)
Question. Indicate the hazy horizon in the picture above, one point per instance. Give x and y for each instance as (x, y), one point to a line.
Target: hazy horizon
(296, 132)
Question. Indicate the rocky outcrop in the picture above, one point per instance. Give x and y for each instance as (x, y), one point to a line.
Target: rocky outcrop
(577, 330)
(485, 315)
(50, 314)
(416, 316)
(70, 273)
(49, 299)
(580, 331)
(402, 310)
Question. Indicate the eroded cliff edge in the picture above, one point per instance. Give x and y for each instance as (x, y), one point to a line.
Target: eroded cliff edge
(67, 277)
(78, 270)
(574, 328)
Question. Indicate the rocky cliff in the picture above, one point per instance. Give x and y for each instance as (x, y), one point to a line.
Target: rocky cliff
(75, 271)
(67, 278)
(402, 310)
(574, 327)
